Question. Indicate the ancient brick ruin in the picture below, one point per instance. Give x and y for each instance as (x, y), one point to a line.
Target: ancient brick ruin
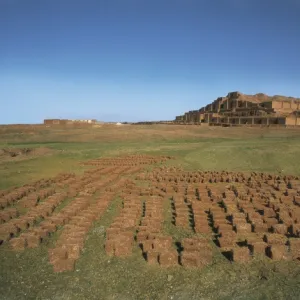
(238, 109)
(68, 122)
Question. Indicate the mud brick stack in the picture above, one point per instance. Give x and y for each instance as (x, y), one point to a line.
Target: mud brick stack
(156, 247)
(130, 160)
(201, 209)
(247, 215)
(160, 249)
(182, 212)
(294, 244)
(241, 254)
(71, 240)
(120, 234)
(8, 214)
(13, 227)
(33, 199)
(256, 244)
(10, 197)
(197, 252)
(35, 234)
(41, 221)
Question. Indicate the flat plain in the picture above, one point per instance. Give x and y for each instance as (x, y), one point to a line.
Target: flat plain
(122, 212)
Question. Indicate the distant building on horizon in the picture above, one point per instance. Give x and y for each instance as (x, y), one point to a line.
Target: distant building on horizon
(68, 122)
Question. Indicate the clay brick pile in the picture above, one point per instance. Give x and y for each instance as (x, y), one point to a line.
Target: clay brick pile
(156, 247)
(36, 234)
(86, 183)
(182, 212)
(33, 198)
(197, 252)
(250, 214)
(120, 234)
(10, 197)
(71, 240)
(14, 222)
(130, 160)
(241, 215)
(8, 214)
(77, 219)
(31, 228)
(43, 216)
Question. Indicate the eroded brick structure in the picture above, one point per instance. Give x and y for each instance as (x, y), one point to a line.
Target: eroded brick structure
(239, 109)
(68, 122)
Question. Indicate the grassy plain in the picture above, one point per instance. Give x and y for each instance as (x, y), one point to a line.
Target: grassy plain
(28, 275)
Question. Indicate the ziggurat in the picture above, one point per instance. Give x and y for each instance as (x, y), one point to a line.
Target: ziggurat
(253, 110)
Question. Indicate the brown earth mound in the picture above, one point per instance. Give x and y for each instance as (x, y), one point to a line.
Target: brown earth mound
(13, 152)
(22, 153)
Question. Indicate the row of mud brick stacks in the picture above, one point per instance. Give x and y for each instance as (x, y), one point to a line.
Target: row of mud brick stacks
(176, 175)
(42, 220)
(272, 177)
(12, 230)
(268, 219)
(133, 189)
(254, 225)
(279, 183)
(197, 199)
(130, 170)
(85, 183)
(129, 189)
(202, 198)
(71, 241)
(120, 234)
(132, 201)
(207, 199)
(157, 248)
(144, 159)
(198, 252)
(119, 169)
(129, 160)
(11, 196)
(86, 198)
(229, 227)
(127, 184)
(19, 223)
(283, 198)
(169, 174)
(182, 214)
(28, 201)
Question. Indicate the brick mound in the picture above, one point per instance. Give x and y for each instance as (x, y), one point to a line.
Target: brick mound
(240, 215)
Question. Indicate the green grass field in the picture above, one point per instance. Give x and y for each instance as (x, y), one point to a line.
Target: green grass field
(28, 274)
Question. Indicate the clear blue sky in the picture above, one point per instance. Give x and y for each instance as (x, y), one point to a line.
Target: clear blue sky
(131, 60)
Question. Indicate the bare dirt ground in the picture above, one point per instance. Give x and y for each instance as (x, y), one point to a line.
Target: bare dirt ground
(17, 154)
